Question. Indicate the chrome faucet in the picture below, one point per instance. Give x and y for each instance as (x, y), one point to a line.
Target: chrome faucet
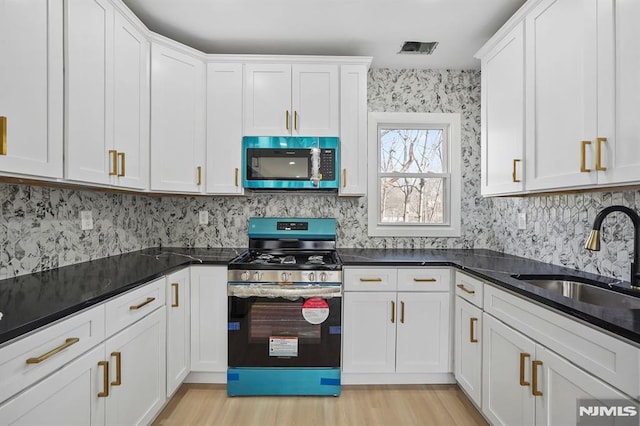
(593, 242)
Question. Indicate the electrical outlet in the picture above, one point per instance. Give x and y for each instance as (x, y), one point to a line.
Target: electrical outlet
(522, 220)
(203, 217)
(86, 220)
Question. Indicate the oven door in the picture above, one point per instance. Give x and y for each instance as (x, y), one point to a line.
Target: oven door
(284, 326)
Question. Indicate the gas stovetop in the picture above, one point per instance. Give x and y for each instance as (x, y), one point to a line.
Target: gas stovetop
(319, 260)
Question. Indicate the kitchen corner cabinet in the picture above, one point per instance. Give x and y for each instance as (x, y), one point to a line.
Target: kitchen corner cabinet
(178, 329)
(396, 325)
(353, 130)
(31, 87)
(298, 100)
(502, 137)
(209, 319)
(224, 128)
(107, 96)
(178, 100)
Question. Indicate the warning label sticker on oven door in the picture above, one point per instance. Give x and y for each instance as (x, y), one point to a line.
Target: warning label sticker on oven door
(283, 346)
(315, 310)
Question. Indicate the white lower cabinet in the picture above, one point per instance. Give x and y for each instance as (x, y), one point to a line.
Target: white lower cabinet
(468, 348)
(178, 329)
(396, 336)
(209, 319)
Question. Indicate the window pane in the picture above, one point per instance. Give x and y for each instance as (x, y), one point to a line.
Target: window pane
(412, 200)
(412, 150)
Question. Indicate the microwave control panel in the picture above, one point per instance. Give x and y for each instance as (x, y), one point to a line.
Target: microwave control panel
(327, 164)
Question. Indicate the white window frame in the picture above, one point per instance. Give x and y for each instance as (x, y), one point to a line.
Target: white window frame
(453, 194)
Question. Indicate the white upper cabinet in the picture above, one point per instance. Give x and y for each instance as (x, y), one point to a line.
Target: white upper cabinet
(503, 115)
(353, 130)
(178, 99)
(107, 96)
(224, 128)
(31, 101)
(285, 99)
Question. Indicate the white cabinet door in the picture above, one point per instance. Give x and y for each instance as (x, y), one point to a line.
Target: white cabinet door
(619, 90)
(31, 87)
(503, 116)
(178, 329)
(130, 105)
(209, 318)
(224, 128)
(177, 120)
(67, 397)
(267, 100)
(506, 366)
(141, 389)
(561, 93)
(369, 332)
(468, 349)
(353, 130)
(315, 100)
(88, 84)
(422, 344)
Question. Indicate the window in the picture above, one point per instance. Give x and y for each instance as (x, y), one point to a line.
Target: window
(414, 174)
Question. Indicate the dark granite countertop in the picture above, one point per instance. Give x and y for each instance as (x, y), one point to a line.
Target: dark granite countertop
(31, 301)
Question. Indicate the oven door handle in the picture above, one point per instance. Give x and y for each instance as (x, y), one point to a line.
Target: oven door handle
(274, 290)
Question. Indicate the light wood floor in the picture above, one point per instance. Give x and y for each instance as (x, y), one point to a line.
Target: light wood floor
(196, 404)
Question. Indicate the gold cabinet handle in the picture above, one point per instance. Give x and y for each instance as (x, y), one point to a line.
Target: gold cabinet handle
(146, 302)
(393, 312)
(466, 290)
(114, 162)
(402, 312)
(523, 357)
(121, 157)
(199, 175)
(68, 342)
(105, 379)
(235, 179)
(344, 178)
(534, 373)
(295, 120)
(599, 154)
(370, 280)
(425, 280)
(175, 293)
(118, 380)
(286, 120)
(3, 135)
(514, 174)
(583, 157)
(472, 334)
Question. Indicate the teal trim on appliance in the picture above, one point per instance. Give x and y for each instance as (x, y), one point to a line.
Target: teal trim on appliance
(267, 227)
(290, 142)
(283, 381)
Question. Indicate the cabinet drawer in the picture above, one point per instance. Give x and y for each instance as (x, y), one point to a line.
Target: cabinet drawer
(469, 288)
(31, 358)
(130, 307)
(370, 279)
(424, 279)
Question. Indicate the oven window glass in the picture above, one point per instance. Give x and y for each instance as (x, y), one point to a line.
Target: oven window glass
(281, 319)
(266, 164)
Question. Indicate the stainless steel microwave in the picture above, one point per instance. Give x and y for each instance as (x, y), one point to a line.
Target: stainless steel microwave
(289, 162)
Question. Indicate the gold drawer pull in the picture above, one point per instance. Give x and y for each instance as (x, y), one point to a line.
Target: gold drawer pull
(295, 120)
(121, 156)
(114, 162)
(3, 135)
(68, 342)
(105, 379)
(534, 372)
(344, 178)
(523, 357)
(176, 293)
(402, 312)
(472, 337)
(393, 312)
(146, 302)
(425, 280)
(599, 154)
(466, 290)
(118, 380)
(199, 175)
(235, 179)
(286, 120)
(370, 280)
(514, 176)
(583, 157)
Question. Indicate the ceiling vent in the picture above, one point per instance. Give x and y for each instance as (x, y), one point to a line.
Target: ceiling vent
(418, 47)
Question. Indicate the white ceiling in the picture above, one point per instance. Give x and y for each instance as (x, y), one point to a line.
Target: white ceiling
(332, 27)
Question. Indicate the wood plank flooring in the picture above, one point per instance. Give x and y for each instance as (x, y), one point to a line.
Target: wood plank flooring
(380, 405)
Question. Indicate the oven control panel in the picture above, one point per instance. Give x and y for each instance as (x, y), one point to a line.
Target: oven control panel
(274, 276)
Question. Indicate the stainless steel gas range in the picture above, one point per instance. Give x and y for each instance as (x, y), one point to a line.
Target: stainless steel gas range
(284, 316)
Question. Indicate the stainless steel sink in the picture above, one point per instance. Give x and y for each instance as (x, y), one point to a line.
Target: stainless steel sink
(582, 291)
